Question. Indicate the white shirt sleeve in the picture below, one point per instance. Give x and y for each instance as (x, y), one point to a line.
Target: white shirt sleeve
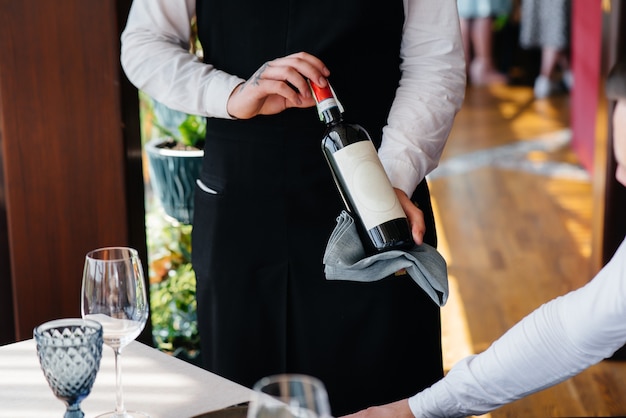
(430, 93)
(556, 341)
(156, 59)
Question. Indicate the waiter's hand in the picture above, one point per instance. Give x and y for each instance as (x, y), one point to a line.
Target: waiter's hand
(414, 215)
(399, 409)
(278, 85)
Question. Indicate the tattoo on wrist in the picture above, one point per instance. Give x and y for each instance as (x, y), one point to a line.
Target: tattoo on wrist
(256, 77)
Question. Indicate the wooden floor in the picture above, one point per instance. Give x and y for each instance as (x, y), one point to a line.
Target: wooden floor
(513, 216)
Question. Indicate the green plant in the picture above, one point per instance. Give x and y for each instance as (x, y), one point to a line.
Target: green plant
(174, 318)
(185, 129)
(172, 286)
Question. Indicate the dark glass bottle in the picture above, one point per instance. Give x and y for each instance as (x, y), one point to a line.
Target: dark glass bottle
(360, 177)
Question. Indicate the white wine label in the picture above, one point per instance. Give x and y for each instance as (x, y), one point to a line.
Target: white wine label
(367, 184)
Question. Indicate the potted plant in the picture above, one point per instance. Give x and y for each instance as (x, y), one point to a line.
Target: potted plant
(174, 158)
(174, 152)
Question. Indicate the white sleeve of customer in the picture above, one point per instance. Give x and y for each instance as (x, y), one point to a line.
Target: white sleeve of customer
(430, 93)
(156, 59)
(558, 340)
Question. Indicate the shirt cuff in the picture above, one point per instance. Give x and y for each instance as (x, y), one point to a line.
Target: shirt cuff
(218, 92)
(402, 175)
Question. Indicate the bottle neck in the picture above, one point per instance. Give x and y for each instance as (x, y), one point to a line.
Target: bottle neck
(332, 116)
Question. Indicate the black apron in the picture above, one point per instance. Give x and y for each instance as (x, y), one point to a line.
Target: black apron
(264, 305)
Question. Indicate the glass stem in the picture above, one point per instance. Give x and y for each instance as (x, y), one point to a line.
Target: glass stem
(119, 396)
(74, 411)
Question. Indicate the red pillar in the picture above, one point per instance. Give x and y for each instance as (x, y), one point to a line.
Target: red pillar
(586, 44)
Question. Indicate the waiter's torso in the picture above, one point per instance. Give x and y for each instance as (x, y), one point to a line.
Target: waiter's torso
(358, 40)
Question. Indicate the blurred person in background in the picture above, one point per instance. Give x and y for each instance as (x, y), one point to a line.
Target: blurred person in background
(477, 29)
(545, 25)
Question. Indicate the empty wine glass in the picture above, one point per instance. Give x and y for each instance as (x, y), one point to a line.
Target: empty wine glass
(289, 396)
(114, 294)
(69, 352)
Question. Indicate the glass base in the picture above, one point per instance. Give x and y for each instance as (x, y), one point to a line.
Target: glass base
(127, 414)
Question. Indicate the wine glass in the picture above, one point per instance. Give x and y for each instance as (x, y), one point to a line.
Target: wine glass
(69, 352)
(114, 294)
(289, 396)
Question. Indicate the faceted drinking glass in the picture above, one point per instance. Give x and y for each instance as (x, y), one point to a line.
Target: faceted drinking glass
(69, 352)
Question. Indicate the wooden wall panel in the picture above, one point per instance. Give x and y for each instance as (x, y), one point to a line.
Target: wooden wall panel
(7, 328)
(64, 149)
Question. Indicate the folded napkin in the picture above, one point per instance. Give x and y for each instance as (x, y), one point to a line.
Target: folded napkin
(345, 259)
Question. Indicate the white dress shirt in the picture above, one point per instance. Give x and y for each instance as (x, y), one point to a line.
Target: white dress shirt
(155, 58)
(556, 341)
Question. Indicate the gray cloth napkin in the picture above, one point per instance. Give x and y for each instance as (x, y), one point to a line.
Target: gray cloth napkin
(345, 259)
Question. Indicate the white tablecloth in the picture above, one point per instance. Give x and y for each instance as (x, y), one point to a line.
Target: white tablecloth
(153, 382)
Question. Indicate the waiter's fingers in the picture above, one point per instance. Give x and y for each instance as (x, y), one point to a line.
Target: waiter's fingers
(414, 215)
(277, 85)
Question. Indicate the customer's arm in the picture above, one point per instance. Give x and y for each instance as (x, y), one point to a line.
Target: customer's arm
(556, 341)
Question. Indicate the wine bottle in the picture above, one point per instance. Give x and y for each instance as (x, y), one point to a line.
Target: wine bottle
(360, 178)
